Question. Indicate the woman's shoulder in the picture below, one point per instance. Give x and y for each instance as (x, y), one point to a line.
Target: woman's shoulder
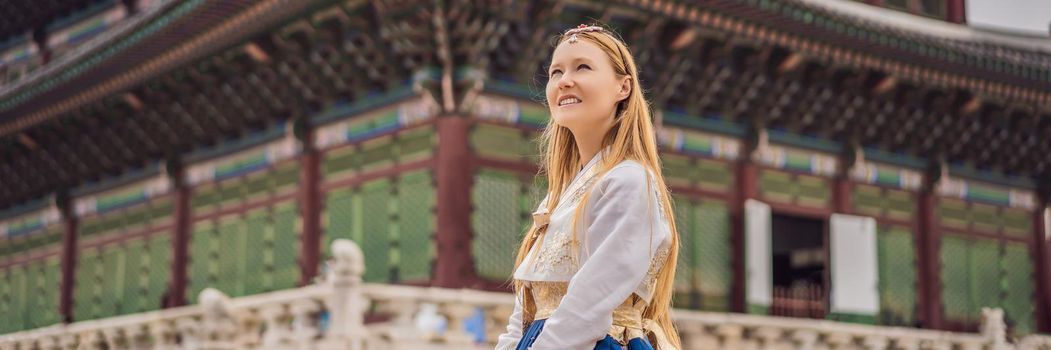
(627, 173)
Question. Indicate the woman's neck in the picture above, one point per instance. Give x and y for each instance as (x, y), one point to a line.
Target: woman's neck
(587, 149)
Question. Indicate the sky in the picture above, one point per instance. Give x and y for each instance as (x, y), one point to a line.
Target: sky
(1026, 16)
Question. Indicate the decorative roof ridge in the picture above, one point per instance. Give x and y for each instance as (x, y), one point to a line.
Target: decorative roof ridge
(931, 27)
(79, 54)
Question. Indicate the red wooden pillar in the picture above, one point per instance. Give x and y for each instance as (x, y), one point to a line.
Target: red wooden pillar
(929, 282)
(841, 202)
(1042, 275)
(746, 186)
(180, 239)
(455, 265)
(955, 11)
(69, 258)
(309, 210)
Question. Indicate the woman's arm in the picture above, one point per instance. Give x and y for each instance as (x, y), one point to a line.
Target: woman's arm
(620, 244)
(509, 340)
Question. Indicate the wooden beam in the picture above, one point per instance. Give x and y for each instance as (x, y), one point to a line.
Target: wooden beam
(181, 226)
(69, 258)
(928, 238)
(956, 11)
(455, 265)
(1042, 260)
(746, 186)
(309, 210)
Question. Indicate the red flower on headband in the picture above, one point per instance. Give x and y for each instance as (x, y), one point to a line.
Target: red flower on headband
(582, 26)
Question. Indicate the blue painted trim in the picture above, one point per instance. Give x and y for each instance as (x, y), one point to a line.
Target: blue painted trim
(232, 146)
(710, 123)
(240, 172)
(995, 178)
(114, 182)
(27, 207)
(92, 10)
(897, 159)
(804, 141)
(343, 110)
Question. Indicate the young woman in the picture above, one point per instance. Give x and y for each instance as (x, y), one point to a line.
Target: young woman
(596, 269)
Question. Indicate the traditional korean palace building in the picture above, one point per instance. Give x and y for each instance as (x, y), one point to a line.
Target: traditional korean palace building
(877, 163)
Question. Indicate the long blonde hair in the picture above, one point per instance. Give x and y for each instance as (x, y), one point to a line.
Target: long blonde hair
(633, 137)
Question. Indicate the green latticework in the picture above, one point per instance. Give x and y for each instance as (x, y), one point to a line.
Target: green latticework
(135, 276)
(232, 239)
(205, 197)
(415, 144)
(14, 293)
(776, 186)
(502, 142)
(812, 191)
(955, 278)
(111, 291)
(284, 248)
(377, 153)
(897, 277)
(1017, 222)
(985, 274)
(703, 271)
(496, 220)
(156, 260)
(713, 175)
(899, 205)
(713, 255)
(376, 227)
(953, 213)
(804, 190)
(258, 242)
(285, 176)
(204, 252)
(245, 254)
(985, 217)
(1018, 288)
(687, 276)
(868, 200)
(340, 161)
(677, 170)
(416, 223)
(88, 287)
(14, 245)
(42, 288)
(342, 216)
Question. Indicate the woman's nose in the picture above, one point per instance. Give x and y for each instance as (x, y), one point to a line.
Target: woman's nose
(565, 81)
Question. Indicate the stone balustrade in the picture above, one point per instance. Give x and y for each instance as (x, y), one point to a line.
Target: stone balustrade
(341, 312)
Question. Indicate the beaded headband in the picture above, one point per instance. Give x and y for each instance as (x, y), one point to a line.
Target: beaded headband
(581, 29)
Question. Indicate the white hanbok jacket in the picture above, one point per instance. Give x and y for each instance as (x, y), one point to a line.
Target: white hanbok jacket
(624, 240)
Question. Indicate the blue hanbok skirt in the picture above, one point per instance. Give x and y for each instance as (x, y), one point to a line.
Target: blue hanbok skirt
(608, 343)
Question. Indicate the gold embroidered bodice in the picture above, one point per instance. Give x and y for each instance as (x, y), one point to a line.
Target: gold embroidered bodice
(627, 318)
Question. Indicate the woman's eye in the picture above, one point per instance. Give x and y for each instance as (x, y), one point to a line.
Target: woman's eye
(555, 72)
(583, 66)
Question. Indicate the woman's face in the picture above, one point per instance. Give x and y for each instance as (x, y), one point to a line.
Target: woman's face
(582, 88)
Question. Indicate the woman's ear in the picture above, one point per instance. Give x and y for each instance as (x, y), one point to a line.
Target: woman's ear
(625, 88)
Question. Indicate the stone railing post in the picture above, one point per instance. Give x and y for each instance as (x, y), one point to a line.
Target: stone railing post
(994, 329)
(217, 328)
(346, 302)
(163, 333)
(278, 333)
(768, 337)
(731, 335)
(457, 313)
(804, 339)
